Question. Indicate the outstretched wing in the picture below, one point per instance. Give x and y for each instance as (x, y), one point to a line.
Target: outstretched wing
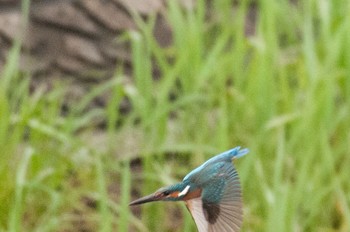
(219, 209)
(226, 156)
(195, 207)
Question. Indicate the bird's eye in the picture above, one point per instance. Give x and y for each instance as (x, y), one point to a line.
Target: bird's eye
(166, 193)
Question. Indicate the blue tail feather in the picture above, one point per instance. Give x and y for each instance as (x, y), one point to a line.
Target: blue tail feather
(226, 156)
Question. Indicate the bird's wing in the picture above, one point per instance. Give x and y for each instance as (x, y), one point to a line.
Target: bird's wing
(196, 209)
(219, 209)
(226, 156)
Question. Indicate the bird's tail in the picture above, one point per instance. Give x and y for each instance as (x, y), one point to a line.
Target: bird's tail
(239, 152)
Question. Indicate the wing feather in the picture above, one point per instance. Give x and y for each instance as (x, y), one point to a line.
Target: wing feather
(230, 219)
(196, 209)
(219, 209)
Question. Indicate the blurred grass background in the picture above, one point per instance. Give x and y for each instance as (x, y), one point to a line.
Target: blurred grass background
(284, 93)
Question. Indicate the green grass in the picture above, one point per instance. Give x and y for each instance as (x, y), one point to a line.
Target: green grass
(283, 92)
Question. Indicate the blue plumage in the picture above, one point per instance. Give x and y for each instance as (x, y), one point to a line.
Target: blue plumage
(212, 193)
(226, 156)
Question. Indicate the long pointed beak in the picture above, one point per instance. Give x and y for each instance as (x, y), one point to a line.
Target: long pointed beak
(142, 200)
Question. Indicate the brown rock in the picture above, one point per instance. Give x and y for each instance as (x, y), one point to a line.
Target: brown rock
(70, 65)
(33, 65)
(76, 40)
(144, 7)
(162, 32)
(112, 18)
(44, 42)
(8, 3)
(117, 51)
(83, 49)
(65, 16)
(10, 25)
(79, 69)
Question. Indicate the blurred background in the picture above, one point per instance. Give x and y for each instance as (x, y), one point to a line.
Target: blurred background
(103, 101)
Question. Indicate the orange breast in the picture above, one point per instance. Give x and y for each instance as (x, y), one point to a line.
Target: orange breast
(194, 194)
(175, 194)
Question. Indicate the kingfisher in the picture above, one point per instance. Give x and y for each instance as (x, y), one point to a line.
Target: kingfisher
(211, 192)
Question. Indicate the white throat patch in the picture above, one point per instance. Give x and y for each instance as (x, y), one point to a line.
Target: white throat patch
(184, 192)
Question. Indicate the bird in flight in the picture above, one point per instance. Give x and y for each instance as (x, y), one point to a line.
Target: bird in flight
(212, 193)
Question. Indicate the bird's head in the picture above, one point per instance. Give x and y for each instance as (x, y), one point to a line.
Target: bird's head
(175, 192)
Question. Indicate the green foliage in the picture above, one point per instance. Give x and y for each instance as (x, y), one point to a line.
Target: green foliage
(283, 92)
